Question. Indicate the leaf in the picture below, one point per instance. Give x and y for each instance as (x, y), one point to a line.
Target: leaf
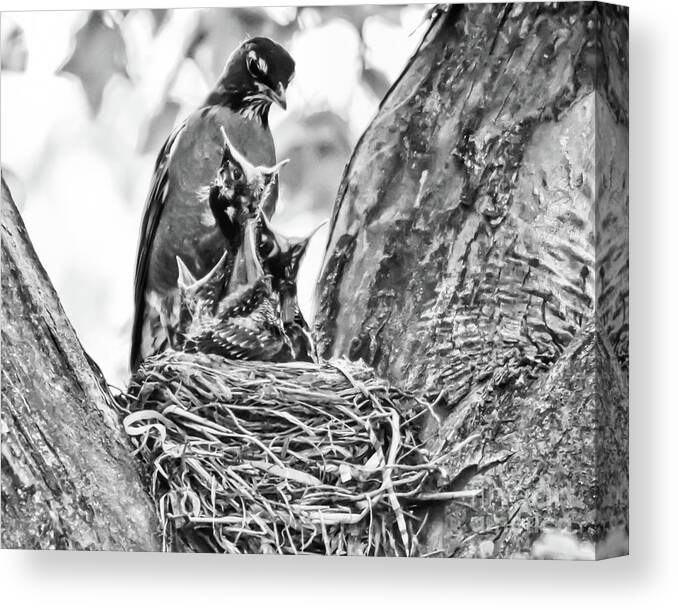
(14, 54)
(98, 54)
(159, 16)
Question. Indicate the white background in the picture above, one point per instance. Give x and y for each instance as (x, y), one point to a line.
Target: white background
(647, 579)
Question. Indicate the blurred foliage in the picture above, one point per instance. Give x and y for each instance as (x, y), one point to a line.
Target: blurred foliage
(88, 98)
(98, 54)
(14, 52)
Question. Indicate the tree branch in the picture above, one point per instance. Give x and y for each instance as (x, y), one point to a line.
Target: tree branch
(68, 478)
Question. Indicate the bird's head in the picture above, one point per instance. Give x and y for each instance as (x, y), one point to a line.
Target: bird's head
(239, 187)
(282, 258)
(256, 75)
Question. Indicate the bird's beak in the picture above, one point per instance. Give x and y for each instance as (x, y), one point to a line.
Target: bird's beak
(265, 221)
(279, 97)
(320, 226)
(253, 268)
(271, 172)
(186, 279)
(278, 166)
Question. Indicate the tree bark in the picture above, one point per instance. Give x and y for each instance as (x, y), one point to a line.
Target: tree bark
(69, 480)
(479, 249)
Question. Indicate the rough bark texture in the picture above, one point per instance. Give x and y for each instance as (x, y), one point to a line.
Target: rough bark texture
(479, 247)
(68, 478)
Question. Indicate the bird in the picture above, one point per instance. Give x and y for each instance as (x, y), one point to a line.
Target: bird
(233, 310)
(234, 197)
(281, 259)
(241, 323)
(177, 220)
(246, 323)
(237, 192)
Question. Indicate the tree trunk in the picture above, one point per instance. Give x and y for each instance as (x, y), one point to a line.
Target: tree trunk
(69, 480)
(479, 249)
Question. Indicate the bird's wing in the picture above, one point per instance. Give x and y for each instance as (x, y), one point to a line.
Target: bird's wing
(152, 212)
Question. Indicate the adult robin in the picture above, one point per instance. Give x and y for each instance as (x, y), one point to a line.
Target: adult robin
(177, 220)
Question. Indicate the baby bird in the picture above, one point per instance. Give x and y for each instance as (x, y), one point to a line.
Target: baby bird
(237, 192)
(234, 310)
(281, 257)
(245, 324)
(233, 196)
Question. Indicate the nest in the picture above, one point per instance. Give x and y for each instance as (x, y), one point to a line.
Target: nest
(259, 457)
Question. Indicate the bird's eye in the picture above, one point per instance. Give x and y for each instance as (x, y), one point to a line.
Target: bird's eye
(256, 66)
(237, 174)
(252, 65)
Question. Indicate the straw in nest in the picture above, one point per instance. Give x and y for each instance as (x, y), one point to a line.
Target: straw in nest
(259, 457)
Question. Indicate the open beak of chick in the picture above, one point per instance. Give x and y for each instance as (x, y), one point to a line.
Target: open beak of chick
(247, 268)
(270, 174)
